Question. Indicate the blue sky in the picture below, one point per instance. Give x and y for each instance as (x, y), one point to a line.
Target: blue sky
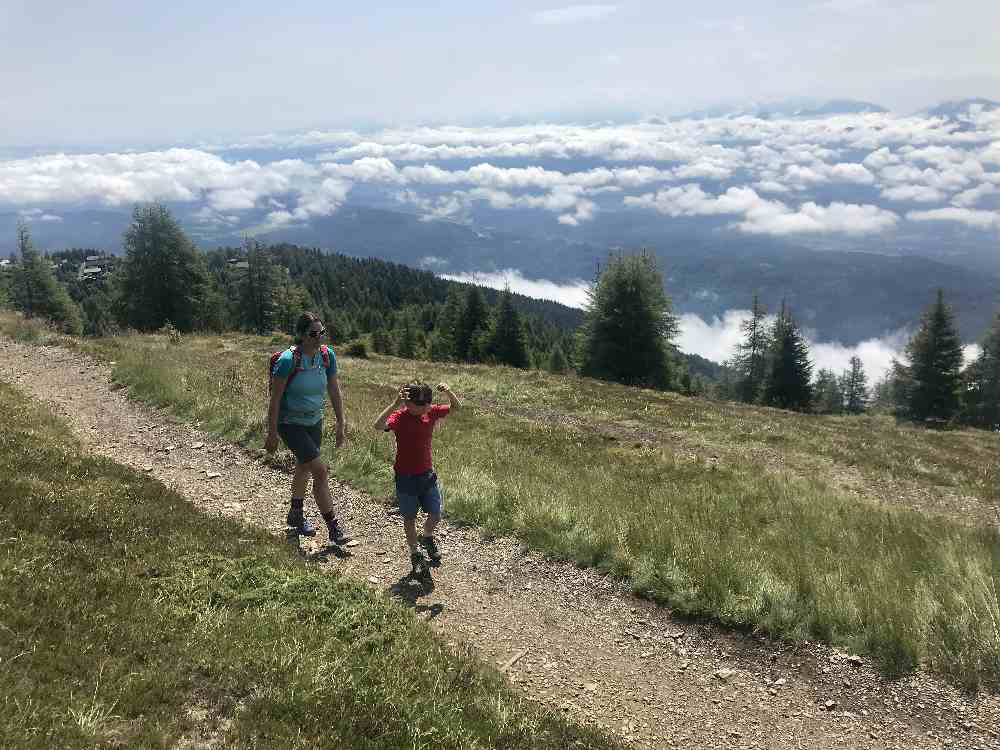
(119, 73)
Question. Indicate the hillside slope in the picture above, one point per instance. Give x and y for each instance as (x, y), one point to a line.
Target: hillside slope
(571, 638)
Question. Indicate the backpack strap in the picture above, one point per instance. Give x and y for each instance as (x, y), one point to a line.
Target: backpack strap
(296, 362)
(325, 351)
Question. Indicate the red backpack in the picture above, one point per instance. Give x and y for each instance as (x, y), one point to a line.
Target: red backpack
(296, 361)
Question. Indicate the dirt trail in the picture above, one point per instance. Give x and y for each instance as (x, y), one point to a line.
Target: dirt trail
(571, 638)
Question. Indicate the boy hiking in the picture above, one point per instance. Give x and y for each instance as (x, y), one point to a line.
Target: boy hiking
(411, 418)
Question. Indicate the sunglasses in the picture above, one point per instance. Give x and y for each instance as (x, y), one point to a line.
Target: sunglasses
(317, 334)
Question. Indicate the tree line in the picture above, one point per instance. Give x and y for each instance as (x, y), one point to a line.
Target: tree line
(164, 280)
(772, 367)
(626, 334)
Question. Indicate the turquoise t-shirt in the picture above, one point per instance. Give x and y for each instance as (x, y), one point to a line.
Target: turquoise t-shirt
(302, 402)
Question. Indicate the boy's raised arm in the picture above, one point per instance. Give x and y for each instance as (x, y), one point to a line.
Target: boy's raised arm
(380, 422)
(452, 398)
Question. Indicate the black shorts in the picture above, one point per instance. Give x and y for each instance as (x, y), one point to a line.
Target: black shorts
(304, 441)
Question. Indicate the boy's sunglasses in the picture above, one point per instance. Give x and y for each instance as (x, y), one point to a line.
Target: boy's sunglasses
(317, 334)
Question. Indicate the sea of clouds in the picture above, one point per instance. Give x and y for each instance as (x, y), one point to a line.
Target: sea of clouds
(762, 174)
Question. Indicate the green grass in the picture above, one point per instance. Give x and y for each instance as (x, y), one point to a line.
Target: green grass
(730, 512)
(128, 619)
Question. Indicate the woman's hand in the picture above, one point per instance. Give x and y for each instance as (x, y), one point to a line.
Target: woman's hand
(271, 442)
(341, 437)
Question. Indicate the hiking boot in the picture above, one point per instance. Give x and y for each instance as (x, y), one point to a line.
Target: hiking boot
(338, 536)
(418, 562)
(297, 520)
(427, 542)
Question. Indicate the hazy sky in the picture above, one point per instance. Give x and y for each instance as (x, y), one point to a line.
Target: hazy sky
(129, 72)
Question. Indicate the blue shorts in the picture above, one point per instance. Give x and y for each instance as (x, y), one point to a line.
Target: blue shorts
(418, 492)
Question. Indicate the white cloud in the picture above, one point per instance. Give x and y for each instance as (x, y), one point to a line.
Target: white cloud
(762, 216)
(970, 353)
(573, 294)
(718, 338)
(969, 216)
(811, 218)
(970, 197)
(916, 193)
(572, 14)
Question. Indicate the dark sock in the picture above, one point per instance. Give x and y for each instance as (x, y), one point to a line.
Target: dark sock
(297, 503)
(328, 517)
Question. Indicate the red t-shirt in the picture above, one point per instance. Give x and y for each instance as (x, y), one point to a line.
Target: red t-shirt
(413, 438)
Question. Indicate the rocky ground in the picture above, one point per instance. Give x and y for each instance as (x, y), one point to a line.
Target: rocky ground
(565, 636)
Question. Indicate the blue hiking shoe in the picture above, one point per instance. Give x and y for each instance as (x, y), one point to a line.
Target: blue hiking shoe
(297, 520)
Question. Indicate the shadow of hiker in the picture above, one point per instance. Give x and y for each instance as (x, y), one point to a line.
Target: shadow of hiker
(293, 540)
(329, 550)
(411, 587)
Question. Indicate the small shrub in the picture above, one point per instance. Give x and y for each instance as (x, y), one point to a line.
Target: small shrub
(357, 349)
(172, 334)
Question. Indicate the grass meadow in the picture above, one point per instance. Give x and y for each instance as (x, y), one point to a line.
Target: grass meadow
(131, 620)
(720, 511)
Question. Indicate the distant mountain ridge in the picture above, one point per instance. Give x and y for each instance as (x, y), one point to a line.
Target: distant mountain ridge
(960, 107)
(798, 108)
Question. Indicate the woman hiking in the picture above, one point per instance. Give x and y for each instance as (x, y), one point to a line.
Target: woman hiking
(301, 378)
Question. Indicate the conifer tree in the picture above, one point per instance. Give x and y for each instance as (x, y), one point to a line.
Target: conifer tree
(447, 326)
(934, 366)
(828, 395)
(788, 384)
(290, 300)
(35, 291)
(751, 356)
(381, 341)
(407, 345)
(258, 309)
(629, 325)
(854, 385)
(557, 360)
(471, 324)
(505, 342)
(163, 278)
(982, 383)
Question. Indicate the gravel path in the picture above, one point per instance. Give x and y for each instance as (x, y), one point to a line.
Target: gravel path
(568, 637)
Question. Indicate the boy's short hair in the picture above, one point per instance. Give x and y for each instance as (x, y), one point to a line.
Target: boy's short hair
(420, 393)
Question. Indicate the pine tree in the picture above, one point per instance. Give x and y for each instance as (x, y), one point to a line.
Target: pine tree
(935, 364)
(163, 277)
(381, 341)
(982, 384)
(258, 309)
(828, 394)
(854, 385)
(290, 300)
(751, 356)
(447, 326)
(628, 325)
(788, 384)
(407, 345)
(35, 291)
(471, 324)
(505, 342)
(557, 360)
